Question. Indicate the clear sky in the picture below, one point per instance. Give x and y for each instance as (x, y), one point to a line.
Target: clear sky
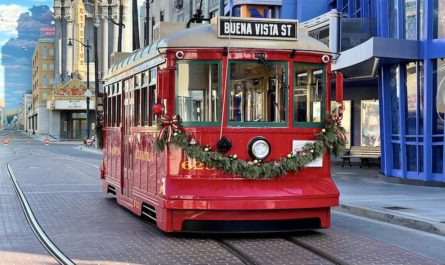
(10, 10)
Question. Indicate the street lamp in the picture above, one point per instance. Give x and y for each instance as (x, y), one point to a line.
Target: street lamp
(147, 22)
(88, 92)
(88, 96)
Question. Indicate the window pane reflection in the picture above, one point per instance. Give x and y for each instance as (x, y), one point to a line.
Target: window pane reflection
(197, 92)
(308, 93)
(396, 162)
(439, 97)
(439, 19)
(395, 98)
(257, 92)
(393, 8)
(437, 161)
(411, 157)
(411, 98)
(410, 20)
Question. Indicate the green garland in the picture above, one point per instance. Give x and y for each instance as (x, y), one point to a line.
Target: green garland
(329, 138)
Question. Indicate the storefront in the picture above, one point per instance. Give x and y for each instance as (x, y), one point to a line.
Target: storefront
(68, 115)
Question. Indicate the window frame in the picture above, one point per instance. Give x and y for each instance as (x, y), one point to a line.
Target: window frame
(219, 94)
(305, 124)
(262, 124)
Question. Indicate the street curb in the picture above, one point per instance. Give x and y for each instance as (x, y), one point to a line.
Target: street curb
(388, 217)
(89, 149)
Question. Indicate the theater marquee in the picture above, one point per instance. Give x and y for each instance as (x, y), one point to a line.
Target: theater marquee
(257, 28)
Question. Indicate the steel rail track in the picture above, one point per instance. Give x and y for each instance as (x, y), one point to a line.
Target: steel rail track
(65, 158)
(246, 259)
(317, 251)
(34, 224)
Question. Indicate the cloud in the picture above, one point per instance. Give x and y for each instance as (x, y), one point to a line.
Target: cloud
(9, 14)
(19, 89)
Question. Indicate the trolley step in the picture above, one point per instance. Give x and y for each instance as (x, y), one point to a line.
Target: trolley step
(149, 211)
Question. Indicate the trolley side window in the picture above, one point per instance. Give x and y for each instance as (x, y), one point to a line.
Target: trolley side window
(144, 100)
(113, 106)
(119, 91)
(257, 94)
(197, 92)
(137, 100)
(309, 95)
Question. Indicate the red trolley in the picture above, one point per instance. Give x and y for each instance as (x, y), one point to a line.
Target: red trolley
(222, 127)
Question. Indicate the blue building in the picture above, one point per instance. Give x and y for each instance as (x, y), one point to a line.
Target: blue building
(405, 54)
(392, 55)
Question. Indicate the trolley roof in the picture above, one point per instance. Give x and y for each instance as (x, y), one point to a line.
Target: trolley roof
(206, 36)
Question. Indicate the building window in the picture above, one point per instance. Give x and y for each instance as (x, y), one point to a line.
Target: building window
(44, 52)
(357, 8)
(44, 81)
(396, 156)
(393, 8)
(439, 19)
(410, 20)
(439, 97)
(420, 97)
(437, 161)
(411, 99)
(411, 157)
(345, 8)
(45, 67)
(51, 52)
(421, 19)
(395, 98)
(51, 67)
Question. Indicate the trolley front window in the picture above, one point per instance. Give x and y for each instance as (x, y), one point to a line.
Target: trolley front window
(257, 94)
(309, 95)
(197, 91)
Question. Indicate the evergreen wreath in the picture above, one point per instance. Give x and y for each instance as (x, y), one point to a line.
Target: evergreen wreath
(330, 138)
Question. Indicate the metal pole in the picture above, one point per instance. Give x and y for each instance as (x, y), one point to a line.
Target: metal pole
(221, 8)
(152, 25)
(88, 87)
(121, 16)
(147, 23)
(96, 87)
(134, 11)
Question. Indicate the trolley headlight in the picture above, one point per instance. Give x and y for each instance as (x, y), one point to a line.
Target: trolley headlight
(259, 148)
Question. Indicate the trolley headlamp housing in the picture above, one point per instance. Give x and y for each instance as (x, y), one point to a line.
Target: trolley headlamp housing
(259, 148)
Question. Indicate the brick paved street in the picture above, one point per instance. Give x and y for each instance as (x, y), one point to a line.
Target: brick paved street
(90, 228)
(18, 244)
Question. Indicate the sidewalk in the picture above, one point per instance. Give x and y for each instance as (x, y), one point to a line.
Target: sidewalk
(363, 193)
(42, 137)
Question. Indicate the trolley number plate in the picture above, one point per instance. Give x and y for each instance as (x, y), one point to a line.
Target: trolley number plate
(195, 165)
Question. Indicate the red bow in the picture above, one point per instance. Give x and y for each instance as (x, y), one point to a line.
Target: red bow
(169, 124)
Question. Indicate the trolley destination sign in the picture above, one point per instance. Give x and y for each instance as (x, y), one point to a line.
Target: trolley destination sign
(257, 28)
